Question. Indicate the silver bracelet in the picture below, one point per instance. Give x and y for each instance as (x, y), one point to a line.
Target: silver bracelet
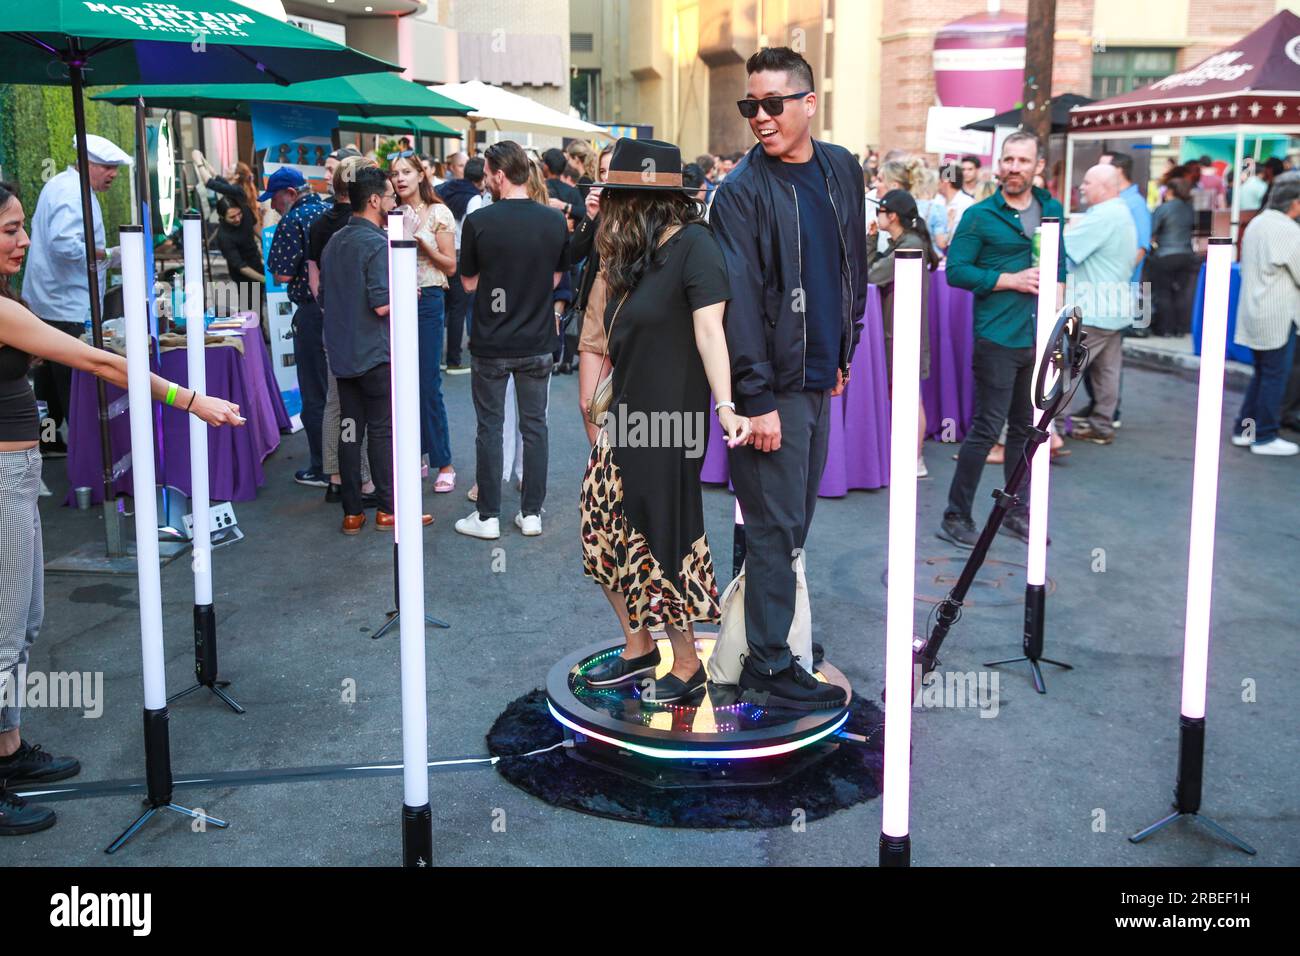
(721, 405)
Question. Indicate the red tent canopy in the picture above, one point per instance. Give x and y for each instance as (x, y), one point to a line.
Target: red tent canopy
(1253, 82)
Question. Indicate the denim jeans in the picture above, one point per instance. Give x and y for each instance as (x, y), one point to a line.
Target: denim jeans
(313, 375)
(488, 378)
(1003, 393)
(1263, 403)
(366, 404)
(435, 435)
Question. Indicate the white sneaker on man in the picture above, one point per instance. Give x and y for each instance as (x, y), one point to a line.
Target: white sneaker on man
(487, 528)
(1243, 440)
(530, 525)
(1278, 446)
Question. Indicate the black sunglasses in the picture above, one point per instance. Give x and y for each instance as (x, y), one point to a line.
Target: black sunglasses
(772, 105)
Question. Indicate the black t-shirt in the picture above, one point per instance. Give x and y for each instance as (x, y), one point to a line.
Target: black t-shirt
(559, 189)
(240, 249)
(820, 263)
(322, 230)
(514, 247)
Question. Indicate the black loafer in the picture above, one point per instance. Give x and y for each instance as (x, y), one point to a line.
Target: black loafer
(619, 669)
(30, 764)
(670, 688)
(18, 817)
(333, 494)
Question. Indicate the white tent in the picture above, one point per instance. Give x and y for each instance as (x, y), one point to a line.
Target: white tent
(498, 109)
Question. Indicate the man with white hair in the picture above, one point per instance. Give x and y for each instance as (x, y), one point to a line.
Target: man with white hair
(55, 284)
(1100, 250)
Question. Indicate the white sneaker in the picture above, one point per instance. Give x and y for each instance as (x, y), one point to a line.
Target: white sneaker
(921, 470)
(530, 525)
(1278, 446)
(1243, 440)
(487, 528)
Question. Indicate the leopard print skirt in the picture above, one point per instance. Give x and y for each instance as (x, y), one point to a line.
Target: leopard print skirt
(618, 556)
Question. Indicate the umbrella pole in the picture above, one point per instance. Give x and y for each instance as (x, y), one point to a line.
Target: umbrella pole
(112, 528)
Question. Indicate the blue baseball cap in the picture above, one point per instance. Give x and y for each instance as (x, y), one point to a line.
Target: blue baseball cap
(286, 177)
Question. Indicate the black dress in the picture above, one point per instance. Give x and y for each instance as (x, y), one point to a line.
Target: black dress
(642, 511)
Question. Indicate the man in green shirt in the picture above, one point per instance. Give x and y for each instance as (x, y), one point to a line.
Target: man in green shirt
(993, 255)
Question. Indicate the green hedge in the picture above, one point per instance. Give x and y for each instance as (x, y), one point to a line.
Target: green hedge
(36, 131)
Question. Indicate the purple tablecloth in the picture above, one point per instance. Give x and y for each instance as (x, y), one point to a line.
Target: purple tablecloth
(235, 455)
(949, 392)
(858, 457)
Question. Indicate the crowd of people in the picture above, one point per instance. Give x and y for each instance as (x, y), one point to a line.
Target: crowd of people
(733, 286)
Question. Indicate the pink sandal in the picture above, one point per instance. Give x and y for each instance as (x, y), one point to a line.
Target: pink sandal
(445, 482)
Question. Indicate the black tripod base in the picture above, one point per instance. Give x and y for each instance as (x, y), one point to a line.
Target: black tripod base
(1206, 822)
(148, 814)
(158, 779)
(205, 659)
(392, 617)
(217, 687)
(1035, 671)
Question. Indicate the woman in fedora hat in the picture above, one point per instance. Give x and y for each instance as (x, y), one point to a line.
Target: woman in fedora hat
(643, 534)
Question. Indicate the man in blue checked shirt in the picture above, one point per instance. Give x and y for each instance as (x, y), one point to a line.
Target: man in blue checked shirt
(299, 207)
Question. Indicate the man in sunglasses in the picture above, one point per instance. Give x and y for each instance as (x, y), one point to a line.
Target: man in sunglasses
(790, 220)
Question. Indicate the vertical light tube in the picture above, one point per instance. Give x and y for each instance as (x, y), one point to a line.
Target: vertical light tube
(135, 307)
(196, 359)
(1049, 239)
(1205, 477)
(405, 370)
(396, 233)
(900, 598)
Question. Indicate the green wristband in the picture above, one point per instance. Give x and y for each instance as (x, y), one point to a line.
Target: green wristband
(171, 393)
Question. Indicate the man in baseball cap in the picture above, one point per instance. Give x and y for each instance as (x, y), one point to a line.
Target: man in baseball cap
(55, 284)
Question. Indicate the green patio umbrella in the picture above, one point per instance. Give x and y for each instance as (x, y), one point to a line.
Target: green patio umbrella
(53, 42)
(181, 41)
(419, 125)
(366, 95)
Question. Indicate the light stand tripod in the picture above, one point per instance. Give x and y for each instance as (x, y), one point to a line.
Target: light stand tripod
(1065, 357)
(205, 618)
(391, 617)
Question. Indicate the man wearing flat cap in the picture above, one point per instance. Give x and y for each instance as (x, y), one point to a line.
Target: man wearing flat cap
(55, 284)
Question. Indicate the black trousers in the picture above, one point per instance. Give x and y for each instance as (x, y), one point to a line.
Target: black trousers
(777, 492)
(457, 306)
(1173, 282)
(1003, 394)
(366, 411)
(52, 382)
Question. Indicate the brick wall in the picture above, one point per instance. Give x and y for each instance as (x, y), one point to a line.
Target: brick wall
(1212, 25)
(907, 49)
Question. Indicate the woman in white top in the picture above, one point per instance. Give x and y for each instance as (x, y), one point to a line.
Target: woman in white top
(430, 223)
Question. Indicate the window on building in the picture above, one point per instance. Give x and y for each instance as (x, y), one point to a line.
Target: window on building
(584, 87)
(1120, 69)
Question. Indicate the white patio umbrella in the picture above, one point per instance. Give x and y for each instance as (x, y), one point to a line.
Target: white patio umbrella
(499, 109)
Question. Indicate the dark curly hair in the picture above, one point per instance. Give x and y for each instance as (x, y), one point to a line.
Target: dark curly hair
(632, 222)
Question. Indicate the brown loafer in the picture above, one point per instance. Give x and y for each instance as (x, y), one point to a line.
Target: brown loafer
(384, 521)
(352, 524)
